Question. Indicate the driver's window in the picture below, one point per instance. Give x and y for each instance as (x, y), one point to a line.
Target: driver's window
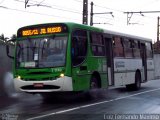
(79, 47)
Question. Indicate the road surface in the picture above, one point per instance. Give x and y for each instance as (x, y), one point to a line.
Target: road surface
(115, 103)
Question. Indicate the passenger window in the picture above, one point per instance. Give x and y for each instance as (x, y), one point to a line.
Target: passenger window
(136, 49)
(118, 47)
(149, 50)
(97, 44)
(127, 48)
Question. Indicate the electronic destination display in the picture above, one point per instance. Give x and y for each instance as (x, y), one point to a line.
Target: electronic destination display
(42, 30)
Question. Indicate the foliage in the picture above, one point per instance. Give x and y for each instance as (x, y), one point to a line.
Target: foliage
(5, 39)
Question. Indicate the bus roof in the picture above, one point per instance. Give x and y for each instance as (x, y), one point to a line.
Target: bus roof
(108, 31)
(96, 29)
(127, 35)
(76, 25)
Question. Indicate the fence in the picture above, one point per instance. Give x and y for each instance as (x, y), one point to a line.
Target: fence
(157, 66)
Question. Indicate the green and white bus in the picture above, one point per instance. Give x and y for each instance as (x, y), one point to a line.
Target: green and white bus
(61, 57)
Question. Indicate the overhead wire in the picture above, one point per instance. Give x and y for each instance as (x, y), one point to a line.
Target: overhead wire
(78, 1)
(33, 2)
(51, 6)
(148, 17)
(42, 1)
(147, 3)
(107, 8)
(68, 9)
(100, 6)
(36, 13)
(2, 1)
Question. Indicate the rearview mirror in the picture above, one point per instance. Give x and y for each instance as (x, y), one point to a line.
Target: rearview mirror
(10, 48)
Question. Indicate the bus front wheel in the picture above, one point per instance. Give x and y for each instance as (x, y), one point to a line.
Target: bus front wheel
(93, 83)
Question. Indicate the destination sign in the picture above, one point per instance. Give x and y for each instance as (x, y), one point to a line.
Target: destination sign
(41, 30)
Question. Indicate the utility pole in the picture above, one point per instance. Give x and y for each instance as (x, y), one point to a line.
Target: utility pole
(158, 29)
(91, 18)
(85, 12)
(158, 26)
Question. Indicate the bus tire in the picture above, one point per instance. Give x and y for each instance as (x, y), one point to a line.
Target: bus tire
(93, 82)
(137, 84)
(130, 87)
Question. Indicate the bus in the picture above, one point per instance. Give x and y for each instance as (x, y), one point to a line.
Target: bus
(70, 57)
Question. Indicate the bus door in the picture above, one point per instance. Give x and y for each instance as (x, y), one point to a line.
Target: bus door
(110, 62)
(78, 56)
(144, 61)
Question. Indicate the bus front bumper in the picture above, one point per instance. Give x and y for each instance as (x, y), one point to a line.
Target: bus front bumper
(59, 84)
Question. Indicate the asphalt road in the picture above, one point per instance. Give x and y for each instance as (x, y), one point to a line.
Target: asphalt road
(115, 103)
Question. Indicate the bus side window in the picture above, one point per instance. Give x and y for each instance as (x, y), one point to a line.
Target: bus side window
(149, 50)
(118, 47)
(97, 44)
(128, 48)
(136, 49)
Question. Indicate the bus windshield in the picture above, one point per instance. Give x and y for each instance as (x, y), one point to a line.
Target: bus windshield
(41, 52)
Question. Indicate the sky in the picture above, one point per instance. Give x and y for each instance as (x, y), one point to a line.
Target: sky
(14, 15)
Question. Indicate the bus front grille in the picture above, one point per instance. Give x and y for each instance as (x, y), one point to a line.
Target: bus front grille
(41, 79)
(45, 87)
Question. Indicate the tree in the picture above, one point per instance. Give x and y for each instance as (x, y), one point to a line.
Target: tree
(4, 39)
(13, 37)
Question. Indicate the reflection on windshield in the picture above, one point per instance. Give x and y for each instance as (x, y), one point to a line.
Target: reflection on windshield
(41, 52)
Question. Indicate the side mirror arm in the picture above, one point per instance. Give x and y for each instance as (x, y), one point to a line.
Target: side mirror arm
(7, 50)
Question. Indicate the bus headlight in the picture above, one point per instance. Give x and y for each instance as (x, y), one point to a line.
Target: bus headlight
(19, 77)
(61, 75)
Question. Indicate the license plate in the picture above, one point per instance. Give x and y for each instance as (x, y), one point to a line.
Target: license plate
(38, 84)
